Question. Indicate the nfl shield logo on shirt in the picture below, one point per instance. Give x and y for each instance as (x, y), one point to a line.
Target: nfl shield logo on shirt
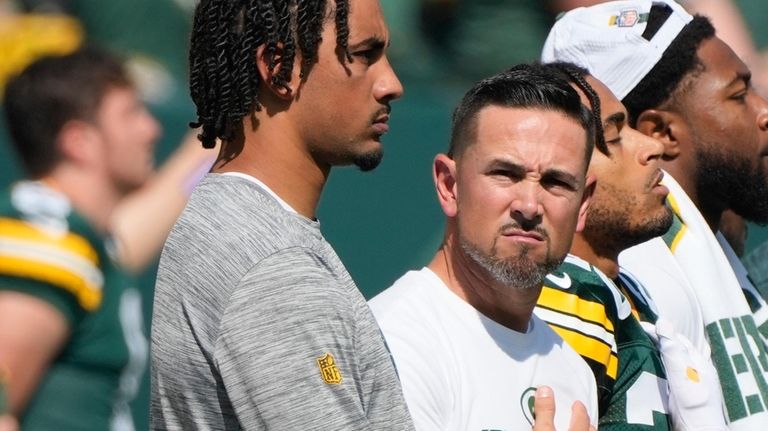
(628, 18)
(328, 369)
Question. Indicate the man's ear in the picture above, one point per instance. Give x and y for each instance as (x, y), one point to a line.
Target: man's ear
(444, 175)
(664, 126)
(268, 77)
(586, 199)
(78, 142)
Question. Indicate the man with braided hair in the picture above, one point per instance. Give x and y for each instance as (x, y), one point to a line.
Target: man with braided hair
(684, 86)
(257, 324)
(595, 305)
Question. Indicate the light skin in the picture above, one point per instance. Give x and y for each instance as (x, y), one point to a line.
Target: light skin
(517, 192)
(628, 204)
(544, 406)
(336, 115)
(101, 161)
(718, 114)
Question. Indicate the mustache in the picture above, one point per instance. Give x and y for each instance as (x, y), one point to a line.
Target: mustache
(385, 110)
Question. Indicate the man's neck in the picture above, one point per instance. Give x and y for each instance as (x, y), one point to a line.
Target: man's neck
(606, 261)
(90, 195)
(509, 306)
(279, 159)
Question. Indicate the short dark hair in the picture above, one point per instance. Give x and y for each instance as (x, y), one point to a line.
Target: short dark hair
(678, 61)
(224, 79)
(51, 92)
(534, 86)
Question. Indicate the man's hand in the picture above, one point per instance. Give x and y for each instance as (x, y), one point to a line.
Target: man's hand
(544, 408)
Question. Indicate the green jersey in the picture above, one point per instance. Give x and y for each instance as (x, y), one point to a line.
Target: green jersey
(589, 311)
(49, 251)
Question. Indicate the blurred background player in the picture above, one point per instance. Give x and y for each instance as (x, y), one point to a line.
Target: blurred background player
(71, 326)
(71, 337)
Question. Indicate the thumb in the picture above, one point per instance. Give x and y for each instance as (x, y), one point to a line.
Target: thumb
(579, 417)
(544, 409)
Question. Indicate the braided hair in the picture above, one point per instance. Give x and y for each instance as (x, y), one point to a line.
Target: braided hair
(577, 75)
(224, 79)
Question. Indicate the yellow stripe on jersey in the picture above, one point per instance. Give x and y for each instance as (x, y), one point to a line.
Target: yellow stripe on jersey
(593, 312)
(67, 261)
(683, 228)
(590, 348)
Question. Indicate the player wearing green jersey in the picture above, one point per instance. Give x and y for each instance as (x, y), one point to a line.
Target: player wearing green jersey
(589, 300)
(71, 338)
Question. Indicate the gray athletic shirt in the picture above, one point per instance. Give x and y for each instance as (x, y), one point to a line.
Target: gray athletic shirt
(258, 325)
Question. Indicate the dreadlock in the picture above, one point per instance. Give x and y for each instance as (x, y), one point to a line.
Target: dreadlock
(224, 80)
(577, 75)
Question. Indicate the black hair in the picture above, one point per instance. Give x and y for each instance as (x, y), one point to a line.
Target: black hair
(51, 92)
(224, 79)
(523, 86)
(577, 75)
(678, 61)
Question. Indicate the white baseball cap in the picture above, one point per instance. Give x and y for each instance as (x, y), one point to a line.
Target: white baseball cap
(607, 40)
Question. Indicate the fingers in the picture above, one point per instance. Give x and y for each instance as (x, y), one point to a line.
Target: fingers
(544, 409)
(579, 418)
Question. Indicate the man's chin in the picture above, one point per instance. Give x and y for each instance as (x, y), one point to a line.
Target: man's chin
(368, 161)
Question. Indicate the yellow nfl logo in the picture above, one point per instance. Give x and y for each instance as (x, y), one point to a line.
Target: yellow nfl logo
(328, 369)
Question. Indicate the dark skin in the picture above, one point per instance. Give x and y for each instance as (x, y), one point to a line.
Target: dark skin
(714, 108)
(628, 205)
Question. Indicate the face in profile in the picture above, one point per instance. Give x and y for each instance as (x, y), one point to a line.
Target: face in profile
(728, 124)
(343, 107)
(519, 192)
(628, 205)
(128, 133)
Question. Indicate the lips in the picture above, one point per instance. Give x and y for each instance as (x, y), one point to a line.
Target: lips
(380, 124)
(656, 179)
(523, 234)
(655, 185)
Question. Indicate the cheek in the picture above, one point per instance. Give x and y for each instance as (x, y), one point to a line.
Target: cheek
(562, 219)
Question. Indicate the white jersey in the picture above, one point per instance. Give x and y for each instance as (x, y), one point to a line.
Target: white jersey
(699, 286)
(463, 371)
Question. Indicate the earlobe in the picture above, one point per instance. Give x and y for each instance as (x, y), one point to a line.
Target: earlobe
(444, 175)
(661, 125)
(586, 200)
(269, 78)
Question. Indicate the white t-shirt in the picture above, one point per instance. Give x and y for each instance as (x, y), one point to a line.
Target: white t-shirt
(463, 371)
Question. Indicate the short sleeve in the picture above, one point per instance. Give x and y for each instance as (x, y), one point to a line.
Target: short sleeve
(61, 268)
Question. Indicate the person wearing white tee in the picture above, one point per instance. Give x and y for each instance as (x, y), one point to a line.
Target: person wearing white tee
(513, 186)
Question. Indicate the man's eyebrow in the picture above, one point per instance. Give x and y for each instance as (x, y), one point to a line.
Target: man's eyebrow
(507, 165)
(373, 42)
(744, 77)
(561, 175)
(615, 119)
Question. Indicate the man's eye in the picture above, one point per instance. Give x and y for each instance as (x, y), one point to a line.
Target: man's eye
(369, 55)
